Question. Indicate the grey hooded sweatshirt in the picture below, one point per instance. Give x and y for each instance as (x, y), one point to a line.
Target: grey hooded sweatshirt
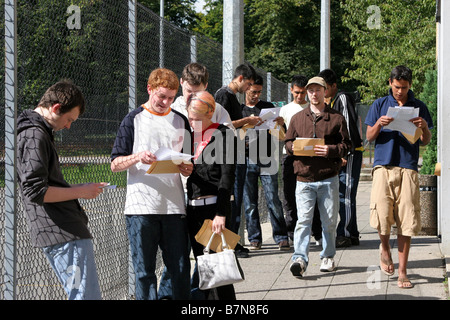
(38, 168)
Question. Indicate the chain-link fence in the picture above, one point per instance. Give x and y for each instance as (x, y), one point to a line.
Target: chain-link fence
(88, 42)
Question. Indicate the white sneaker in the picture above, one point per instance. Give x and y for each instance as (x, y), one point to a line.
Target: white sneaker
(327, 265)
(298, 267)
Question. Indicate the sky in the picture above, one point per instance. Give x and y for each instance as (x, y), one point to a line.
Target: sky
(199, 5)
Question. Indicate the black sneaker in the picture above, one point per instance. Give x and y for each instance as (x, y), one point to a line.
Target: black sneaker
(355, 241)
(298, 267)
(343, 242)
(240, 251)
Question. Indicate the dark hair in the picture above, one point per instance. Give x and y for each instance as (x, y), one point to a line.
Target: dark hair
(299, 80)
(195, 74)
(67, 94)
(329, 76)
(258, 80)
(246, 71)
(401, 73)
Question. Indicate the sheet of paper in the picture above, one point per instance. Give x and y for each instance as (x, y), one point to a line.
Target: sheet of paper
(165, 155)
(401, 122)
(268, 115)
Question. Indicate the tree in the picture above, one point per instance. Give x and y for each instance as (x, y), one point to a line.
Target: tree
(388, 33)
(180, 12)
(429, 97)
(283, 37)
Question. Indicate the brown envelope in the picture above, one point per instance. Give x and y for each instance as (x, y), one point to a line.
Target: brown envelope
(413, 139)
(205, 232)
(164, 166)
(305, 147)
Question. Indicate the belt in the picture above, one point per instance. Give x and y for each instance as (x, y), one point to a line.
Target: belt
(203, 201)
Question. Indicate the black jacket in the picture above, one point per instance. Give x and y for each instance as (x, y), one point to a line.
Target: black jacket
(345, 104)
(214, 170)
(38, 168)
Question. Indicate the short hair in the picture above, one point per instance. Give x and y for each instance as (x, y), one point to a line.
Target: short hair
(208, 104)
(195, 74)
(246, 71)
(299, 80)
(329, 76)
(401, 73)
(165, 78)
(67, 94)
(258, 80)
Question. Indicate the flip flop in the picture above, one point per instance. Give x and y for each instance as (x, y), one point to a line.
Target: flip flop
(387, 263)
(401, 281)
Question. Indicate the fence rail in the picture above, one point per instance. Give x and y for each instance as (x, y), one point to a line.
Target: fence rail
(108, 48)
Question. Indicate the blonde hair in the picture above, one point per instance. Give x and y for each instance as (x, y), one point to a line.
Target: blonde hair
(163, 78)
(207, 103)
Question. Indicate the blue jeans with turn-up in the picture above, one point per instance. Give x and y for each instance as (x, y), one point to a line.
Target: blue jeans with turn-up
(270, 188)
(326, 193)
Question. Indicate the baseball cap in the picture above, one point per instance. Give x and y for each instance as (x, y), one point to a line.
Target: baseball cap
(317, 80)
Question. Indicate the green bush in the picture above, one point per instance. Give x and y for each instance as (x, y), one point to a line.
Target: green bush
(429, 97)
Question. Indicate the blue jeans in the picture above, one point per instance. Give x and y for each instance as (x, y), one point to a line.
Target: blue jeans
(74, 265)
(238, 191)
(169, 232)
(270, 188)
(326, 193)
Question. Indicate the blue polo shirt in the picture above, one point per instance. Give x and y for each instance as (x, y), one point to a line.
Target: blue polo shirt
(391, 147)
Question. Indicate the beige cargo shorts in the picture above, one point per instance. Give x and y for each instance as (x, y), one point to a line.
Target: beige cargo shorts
(395, 200)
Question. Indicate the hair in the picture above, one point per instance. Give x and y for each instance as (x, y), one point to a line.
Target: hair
(246, 71)
(163, 78)
(195, 74)
(207, 103)
(329, 76)
(299, 80)
(258, 80)
(401, 73)
(67, 94)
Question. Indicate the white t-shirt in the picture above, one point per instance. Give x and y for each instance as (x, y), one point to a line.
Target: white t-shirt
(156, 193)
(288, 111)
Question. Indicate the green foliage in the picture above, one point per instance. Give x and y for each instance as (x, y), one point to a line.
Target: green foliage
(388, 33)
(179, 12)
(211, 23)
(429, 97)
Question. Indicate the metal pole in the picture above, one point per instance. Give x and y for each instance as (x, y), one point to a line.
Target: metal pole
(269, 86)
(10, 246)
(233, 38)
(289, 94)
(132, 103)
(325, 35)
(193, 49)
(161, 34)
(132, 54)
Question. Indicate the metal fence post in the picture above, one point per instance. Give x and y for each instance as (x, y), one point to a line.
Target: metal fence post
(269, 86)
(289, 95)
(132, 100)
(10, 246)
(193, 49)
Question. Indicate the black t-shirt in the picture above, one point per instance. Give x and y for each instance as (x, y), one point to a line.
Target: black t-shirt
(227, 98)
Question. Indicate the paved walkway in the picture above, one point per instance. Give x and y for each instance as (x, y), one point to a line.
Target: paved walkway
(357, 275)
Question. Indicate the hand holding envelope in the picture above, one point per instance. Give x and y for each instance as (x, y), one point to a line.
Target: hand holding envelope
(168, 161)
(305, 146)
